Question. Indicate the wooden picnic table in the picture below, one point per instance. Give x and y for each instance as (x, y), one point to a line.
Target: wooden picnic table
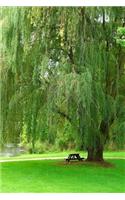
(74, 156)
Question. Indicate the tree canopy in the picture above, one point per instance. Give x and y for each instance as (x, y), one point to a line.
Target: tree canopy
(63, 76)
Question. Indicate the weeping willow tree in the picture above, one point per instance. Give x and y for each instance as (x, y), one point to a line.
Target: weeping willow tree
(63, 63)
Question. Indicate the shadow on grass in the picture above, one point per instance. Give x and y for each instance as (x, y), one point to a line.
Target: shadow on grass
(104, 164)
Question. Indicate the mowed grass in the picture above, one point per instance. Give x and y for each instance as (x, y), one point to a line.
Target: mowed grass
(57, 176)
(114, 154)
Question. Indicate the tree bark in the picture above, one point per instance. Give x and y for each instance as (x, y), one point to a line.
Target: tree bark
(90, 156)
(95, 154)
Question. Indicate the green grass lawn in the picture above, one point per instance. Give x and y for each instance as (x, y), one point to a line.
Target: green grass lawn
(63, 154)
(56, 176)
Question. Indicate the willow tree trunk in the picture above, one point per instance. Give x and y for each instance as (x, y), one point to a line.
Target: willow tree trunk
(95, 152)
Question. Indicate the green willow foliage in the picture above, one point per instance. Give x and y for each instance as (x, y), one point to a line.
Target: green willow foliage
(63, 67)
(121, 36)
